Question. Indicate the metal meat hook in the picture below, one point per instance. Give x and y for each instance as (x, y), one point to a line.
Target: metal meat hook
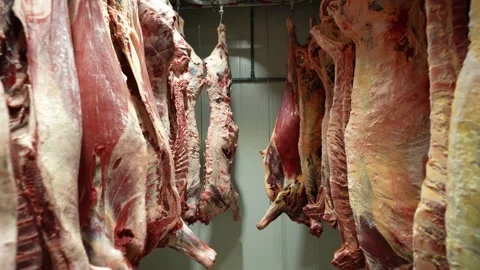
(221, 13)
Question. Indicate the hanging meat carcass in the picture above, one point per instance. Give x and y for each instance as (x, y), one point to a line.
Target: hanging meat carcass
(157, 18)
(219, 194)
(324, 66)
(157, 30)
(447, 28)
(388, 131)
(463, 185)
(113, 174)
(311, 100)
(281, 159)
(186, 89)
(14, 76)
(8, 191)
(163, 206)
(40, 89)
(186, 82)
(177, 93)
(192, 83)
(341, 49)
(194, 76)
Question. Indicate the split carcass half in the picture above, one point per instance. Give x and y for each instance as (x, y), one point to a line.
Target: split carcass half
(157, 18)
(324, 66)
(341, 50)
(185, 84)
(113, 173)
(219, 195)
(281, 159)
(311, 104)
(8, 191)
(387, 135)
(40, 88)
(195, 86)
(447, 28)
(462, 217)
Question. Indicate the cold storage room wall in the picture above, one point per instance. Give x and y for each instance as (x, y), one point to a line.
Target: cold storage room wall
(283, 245)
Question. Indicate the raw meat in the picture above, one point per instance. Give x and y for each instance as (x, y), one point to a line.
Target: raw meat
(221, 143)
(46, 97)
(387, 136)
(113, 173)
(177, 120)
(311, 100)
(195, 74)
(17, 217)
(341, 49)
(462, 217)
(163, 207)
(178, 66)
(166, 226)
(185, 89)
(8, 191)
(182, 72)
(187, 242)
(447, 28)
(281, 159)
(323, 65)
(158, 21)
(178, 87)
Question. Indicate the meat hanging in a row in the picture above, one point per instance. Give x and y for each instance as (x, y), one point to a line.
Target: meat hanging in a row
(404, 93)
(100, 148)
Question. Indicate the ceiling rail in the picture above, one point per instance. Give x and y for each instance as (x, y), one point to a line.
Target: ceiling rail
(197, 5)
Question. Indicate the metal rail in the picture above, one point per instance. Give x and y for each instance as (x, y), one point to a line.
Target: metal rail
(238, 5)
(258, 79)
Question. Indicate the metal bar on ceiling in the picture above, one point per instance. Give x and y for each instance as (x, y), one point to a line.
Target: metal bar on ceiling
(258, 79)
(239, 5)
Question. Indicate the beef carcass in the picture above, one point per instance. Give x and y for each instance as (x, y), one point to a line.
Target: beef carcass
(179, 146)
(447, 28)
(41, 90)
(8, 191)
(388, 131)
(163, 205)
(113, 173)
(311, 104)
(281, 159)
(195, 74)
(186, 88)
(13, 68)
(157, 18)
(341, 49)
(157, 21)
(219, 194)
(185, 76)
(191, 82)
(462, 217)
(324, 66)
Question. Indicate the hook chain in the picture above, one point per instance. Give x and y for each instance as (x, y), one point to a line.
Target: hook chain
(221, 14)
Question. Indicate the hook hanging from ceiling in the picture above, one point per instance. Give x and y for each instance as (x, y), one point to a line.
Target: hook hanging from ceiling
(221, 13)
(292, 6)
